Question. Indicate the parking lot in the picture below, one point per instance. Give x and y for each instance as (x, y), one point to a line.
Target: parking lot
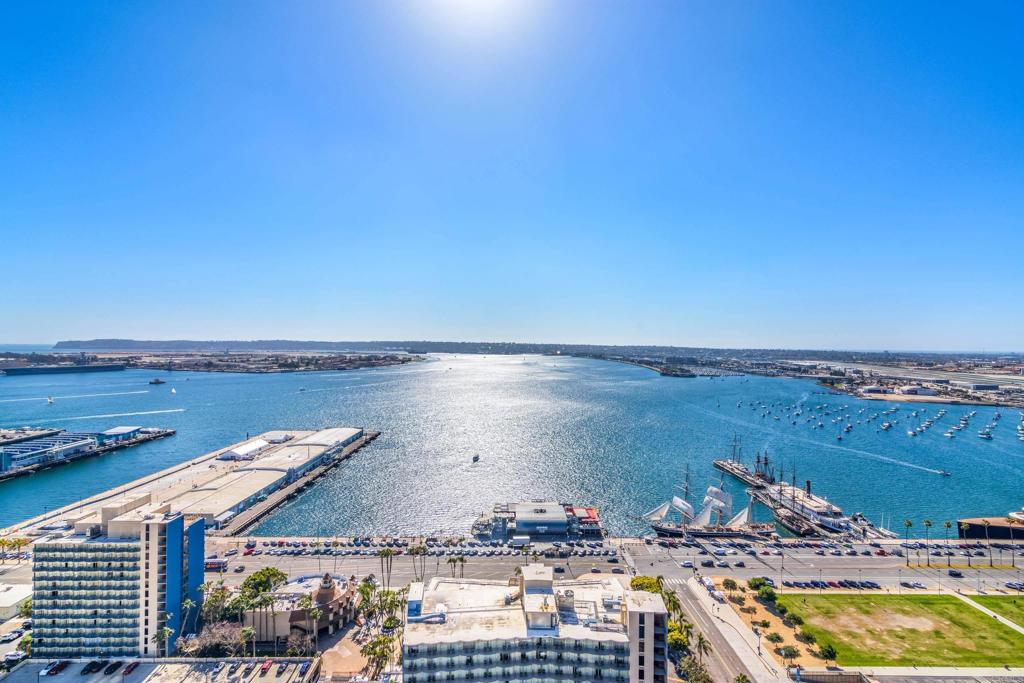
(360, 557)
(239, 670)
(821, 566)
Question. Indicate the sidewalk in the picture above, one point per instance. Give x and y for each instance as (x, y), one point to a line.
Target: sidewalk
(978, 606)
(740, 638)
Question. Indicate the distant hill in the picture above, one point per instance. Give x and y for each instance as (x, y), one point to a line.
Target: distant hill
(514, 348)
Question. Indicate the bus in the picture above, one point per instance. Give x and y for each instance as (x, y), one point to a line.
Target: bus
(216, 565)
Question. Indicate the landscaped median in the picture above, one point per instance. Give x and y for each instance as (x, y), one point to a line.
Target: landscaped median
(875, 629)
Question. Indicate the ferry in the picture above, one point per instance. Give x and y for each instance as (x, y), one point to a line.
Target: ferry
(807, 505)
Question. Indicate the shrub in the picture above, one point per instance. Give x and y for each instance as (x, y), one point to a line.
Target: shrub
(755, 583)
(781, 609)
(795, 618)
(738, 599)
(766, 594)
(645, 583)
(806, 636)
(788, 652)
(773, 637)
(764, 623)
(677, 643)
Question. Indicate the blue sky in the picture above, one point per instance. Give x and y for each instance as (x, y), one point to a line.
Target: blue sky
(815, 174)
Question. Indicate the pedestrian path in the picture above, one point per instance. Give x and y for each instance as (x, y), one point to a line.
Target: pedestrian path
(1001, 619)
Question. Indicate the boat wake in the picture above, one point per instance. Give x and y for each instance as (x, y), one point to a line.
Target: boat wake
(43, 398)
(98, 417)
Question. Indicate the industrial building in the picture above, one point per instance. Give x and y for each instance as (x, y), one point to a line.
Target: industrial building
(109, 585)
(580, 630)
(47, 449)
(219, 485)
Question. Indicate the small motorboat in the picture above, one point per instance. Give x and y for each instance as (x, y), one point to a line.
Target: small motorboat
(157, 380)
(476, 458)
(49, 400)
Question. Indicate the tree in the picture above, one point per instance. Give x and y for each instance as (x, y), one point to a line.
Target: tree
(377, 651)
(264, 580)
(677, 644)
(160, 639)
(729, 585)
(25, 644)
(648, 584)
(927, 555)
(946, 526)
(1013, 544)
(25, 609)
(985, 523)
(766, 594)
(702, 647)
(672, 603)
(906, 526)
(774, 637)
(187, 605)
(754, 583)
(741, 678)
(964, 528)
(827, 652)
(248, 634)
(788, 652)
(387, 556)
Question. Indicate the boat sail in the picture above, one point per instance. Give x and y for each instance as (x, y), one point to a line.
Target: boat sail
(683, 508)
(658, 513)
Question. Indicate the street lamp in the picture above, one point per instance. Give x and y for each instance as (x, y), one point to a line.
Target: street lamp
(899, 580)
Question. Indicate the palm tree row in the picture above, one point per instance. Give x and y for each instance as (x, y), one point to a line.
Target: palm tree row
(15, 544)
(964, 528)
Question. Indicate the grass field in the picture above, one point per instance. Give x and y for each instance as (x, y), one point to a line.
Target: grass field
(1009, 606)
(920, 630)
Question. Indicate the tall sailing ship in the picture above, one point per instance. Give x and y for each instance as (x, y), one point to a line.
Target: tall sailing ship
(716, 506)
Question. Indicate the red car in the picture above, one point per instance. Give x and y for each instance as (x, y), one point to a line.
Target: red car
(130, 668)
(266, 667)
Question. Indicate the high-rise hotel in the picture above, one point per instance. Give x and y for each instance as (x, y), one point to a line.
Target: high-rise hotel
(109, 584)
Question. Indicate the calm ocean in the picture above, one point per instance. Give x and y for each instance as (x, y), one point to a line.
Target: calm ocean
(576, 430)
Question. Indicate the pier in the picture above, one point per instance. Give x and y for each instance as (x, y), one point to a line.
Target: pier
(246, 519)
(144, 435)
(230, 488)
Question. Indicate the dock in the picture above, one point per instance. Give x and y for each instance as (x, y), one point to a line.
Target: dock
(230, 488)
(245, 520)
(148, 434)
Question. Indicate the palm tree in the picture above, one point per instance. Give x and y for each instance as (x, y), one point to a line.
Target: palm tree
(246, 635)
(985, 523)
(906, 526)
(964, 528)
(386, 558)
(160, 639)
(687, 629)
(451, 564)
(314, 618)
(672, 603)
(927, 555)
(661, 582)
(947, 525)
(416, 552)
(462, 566)
(4, 545)
(187, 605)
(1013, 546)
(702, 647)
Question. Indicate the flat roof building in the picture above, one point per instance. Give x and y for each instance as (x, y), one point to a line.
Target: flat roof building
(110, 586)
(534, 628)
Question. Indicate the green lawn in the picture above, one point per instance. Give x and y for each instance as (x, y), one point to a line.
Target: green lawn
(1009, 606)
(919, 630)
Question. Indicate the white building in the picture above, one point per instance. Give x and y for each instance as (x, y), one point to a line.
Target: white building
(533, 628)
